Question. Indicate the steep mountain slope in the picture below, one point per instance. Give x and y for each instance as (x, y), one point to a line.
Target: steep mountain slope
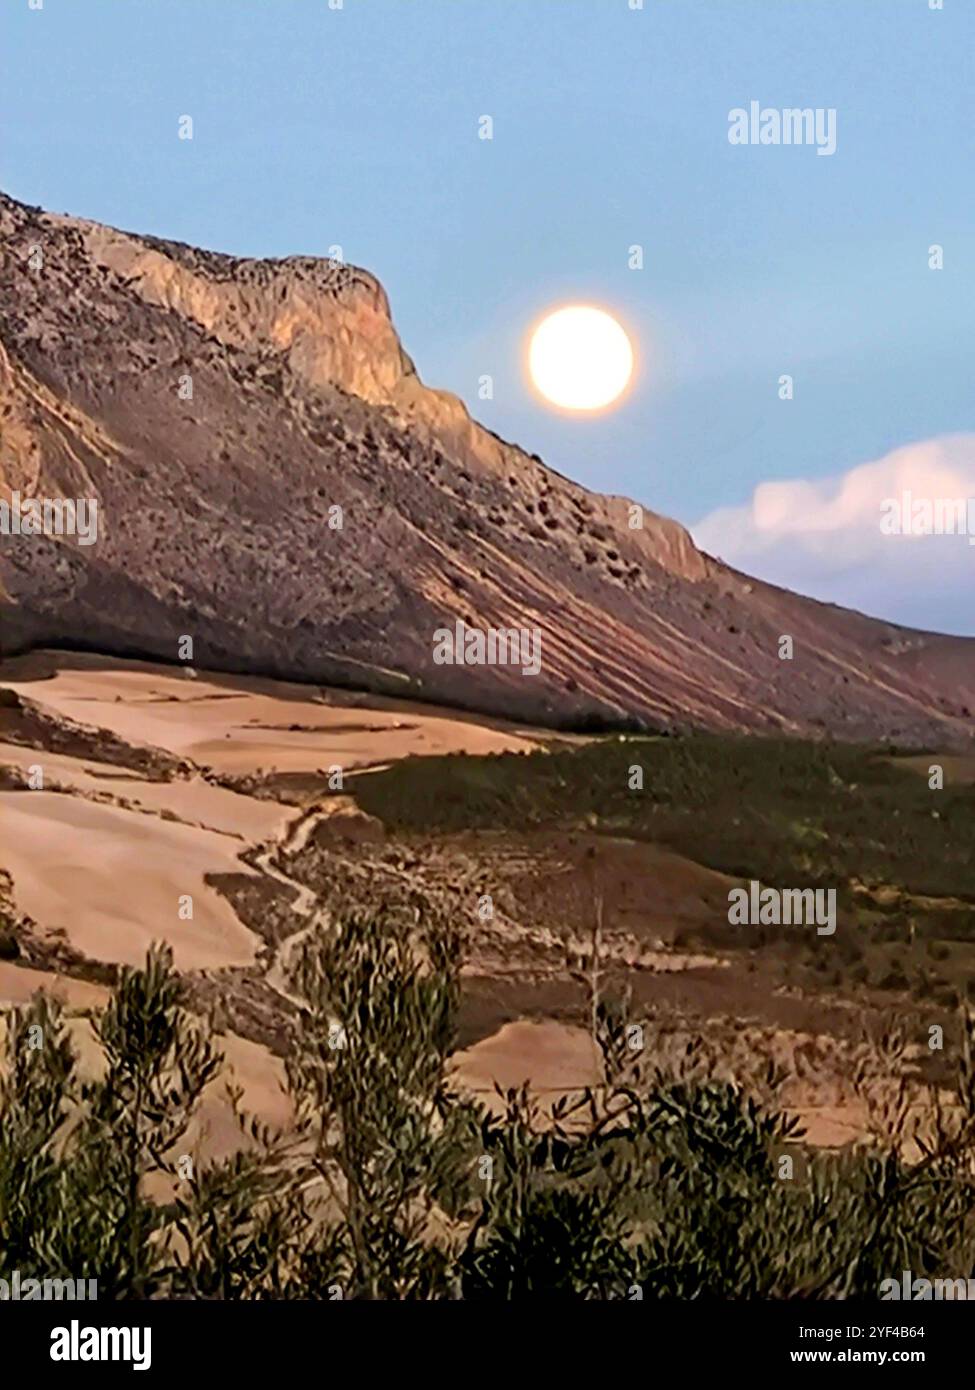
(214, 512)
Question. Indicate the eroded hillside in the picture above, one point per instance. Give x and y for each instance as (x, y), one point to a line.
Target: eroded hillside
(227, 413)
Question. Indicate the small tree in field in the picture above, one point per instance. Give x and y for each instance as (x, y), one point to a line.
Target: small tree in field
(368, 1074)
(75, 1153)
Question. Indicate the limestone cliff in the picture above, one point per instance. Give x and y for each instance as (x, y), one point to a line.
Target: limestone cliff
(228, 413)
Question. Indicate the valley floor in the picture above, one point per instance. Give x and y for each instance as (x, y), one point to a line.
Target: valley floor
(142, 803)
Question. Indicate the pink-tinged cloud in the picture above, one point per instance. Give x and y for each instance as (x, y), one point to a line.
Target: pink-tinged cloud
(824, 537)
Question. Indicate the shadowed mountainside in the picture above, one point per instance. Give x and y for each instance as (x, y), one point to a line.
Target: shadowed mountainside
(214, 515)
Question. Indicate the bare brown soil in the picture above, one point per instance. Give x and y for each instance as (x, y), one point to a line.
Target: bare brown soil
(97, 861)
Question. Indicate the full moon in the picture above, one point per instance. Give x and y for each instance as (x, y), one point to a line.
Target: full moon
(580, 358)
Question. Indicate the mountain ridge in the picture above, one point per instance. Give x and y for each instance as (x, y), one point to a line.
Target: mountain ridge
(215, 514)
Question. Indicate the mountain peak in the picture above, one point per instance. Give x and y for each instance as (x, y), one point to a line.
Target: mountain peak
(275, 481)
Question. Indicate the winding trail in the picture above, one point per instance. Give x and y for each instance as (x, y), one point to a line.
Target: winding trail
(294, 839)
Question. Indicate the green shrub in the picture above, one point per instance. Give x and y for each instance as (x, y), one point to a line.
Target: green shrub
(391, 1186)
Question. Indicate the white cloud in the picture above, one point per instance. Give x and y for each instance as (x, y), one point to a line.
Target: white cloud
(823, 537)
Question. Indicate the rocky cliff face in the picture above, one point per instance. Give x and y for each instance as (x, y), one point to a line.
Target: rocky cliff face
(228, 414)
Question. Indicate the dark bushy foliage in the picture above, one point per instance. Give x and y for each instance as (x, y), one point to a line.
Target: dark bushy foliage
(390, 1186)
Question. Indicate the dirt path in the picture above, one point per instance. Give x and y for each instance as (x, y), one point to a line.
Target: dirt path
(294, 840)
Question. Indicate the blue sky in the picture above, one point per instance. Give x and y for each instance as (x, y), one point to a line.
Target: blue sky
(358, 126)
